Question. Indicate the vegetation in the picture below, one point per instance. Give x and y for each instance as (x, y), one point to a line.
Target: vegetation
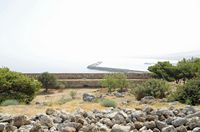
(48, 80)
(153, 87)
(16, 86)
(115, 80)
(73, 94)
(108, 103)
(63, 100)
(10, 102)
(188, 93)
(184, 70)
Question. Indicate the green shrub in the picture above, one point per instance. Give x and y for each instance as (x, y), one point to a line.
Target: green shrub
(60, 85)
(152, 87)
(73, 94)
(10, 102)
(115, 80)
(108, 103)
(185, 69)
(63, 100)
(188, 93)
(48, 80)
(17, 86)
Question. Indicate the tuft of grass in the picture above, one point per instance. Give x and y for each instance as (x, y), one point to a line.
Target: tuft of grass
(63, 100)
(10, 102)
(108, 103)
(73, 94)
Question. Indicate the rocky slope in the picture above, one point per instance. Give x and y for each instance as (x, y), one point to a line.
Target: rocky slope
(110, 120)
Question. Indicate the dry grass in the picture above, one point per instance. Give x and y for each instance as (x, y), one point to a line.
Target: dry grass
(52, 99)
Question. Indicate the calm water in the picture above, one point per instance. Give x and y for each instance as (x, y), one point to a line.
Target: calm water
(79, 65)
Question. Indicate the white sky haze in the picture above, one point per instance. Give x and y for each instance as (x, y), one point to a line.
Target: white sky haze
(47, 29)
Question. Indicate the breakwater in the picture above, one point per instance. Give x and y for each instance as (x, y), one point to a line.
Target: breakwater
(80, 80)
(96, 66)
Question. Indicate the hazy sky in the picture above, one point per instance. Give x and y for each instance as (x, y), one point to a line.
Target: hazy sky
(64, 28)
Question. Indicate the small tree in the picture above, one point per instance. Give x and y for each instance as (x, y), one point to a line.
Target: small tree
(47, 80)
(115, 80)
(121, 81)
(152, 87)
(188, 93)
(163, 70)
(16, 86)
(109, 82)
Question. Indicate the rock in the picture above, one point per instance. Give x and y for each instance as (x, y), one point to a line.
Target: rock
(147, 109)
(181, 129)
(123, 114)
(68, 129)
(88, 97)
(10, 128)
(193, 122)
(197, 129)
(108, 122)
(160, 125)
(2, 126)
(51, 111)
(196, 114)
(111, 115)
(118, 94)
(46, 121)
(169, 129)
(143, 129)
(189, 109)
(20, 121)
(150, 125)
(156, 130)
(179, 121)
(138, 125)
(147, 100)
(120, 128)
(25, 128)
(37, 128)
(118, 119)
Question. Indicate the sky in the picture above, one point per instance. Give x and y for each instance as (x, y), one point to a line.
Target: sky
(41, 30)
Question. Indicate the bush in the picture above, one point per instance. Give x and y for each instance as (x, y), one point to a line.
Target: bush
(48, 80)
(185, 69)
(153, 87)
(73, 94)
(115, 80)
(188, 93)
(10, 102)
(17, 86)
(108, 103)
(63, 100)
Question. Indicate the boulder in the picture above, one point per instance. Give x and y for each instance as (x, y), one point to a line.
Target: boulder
(181, 129)
(118, 94)
(196, 114)
(2, 126)
(169, 129)
(51, 111)
(20, 121)
(179, 121)
(120, 128)
(160, 125)
(68, 129)
(147, 100)
(46, 121)
(88, 97)
(197, 129)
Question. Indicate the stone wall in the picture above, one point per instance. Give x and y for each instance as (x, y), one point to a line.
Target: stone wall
(90, 75)
(89, 80)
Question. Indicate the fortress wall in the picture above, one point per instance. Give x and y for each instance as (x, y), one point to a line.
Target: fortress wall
(90, 75)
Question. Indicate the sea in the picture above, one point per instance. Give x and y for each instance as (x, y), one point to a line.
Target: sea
(79, 65)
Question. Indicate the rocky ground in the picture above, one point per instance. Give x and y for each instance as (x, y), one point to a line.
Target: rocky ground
(109, 120)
